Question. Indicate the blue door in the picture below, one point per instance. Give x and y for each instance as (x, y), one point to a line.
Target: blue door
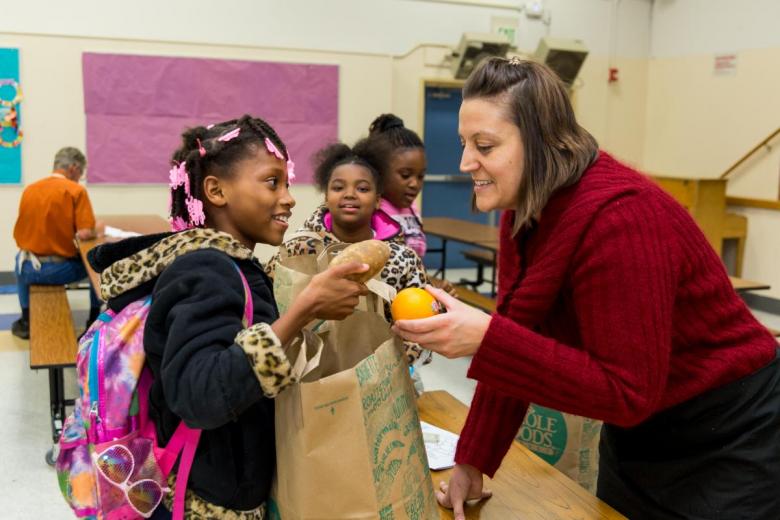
(446, 192)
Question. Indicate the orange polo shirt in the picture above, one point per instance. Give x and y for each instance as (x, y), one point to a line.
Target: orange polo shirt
(50, 212)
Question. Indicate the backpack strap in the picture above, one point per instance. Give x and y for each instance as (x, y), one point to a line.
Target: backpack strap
(185, 441)
(249, 306)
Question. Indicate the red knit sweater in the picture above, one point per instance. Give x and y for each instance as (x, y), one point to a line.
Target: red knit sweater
(613, 307)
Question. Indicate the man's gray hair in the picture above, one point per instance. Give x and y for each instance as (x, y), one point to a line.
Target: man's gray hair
(68, 156)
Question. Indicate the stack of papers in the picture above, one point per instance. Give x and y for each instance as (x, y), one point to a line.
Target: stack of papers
(439, 445)
(113, 232)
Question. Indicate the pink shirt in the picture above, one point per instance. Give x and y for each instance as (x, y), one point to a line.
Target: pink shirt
(411, 225)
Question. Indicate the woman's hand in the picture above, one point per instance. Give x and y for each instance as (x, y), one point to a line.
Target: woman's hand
(330, 296)
(456, 333)
(465, 484)
(445, 286)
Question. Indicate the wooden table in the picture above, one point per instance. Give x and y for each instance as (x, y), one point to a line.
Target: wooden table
(143, 224)
(742, 285)
(524, 487)
(480, 235)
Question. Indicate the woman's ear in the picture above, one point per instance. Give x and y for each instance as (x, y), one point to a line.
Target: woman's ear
(213, 191)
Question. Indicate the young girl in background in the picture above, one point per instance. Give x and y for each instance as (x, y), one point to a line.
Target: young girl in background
(350, 179)
(229, 192)
(403, 183)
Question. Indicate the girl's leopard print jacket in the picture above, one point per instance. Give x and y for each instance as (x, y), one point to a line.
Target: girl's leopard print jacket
(263, 349)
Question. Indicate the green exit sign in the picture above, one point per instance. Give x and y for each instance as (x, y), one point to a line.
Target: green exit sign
(505, 26)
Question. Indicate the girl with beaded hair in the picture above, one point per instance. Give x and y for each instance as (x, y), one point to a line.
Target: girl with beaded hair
(212, 369)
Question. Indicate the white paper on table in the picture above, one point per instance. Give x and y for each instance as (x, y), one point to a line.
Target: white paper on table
(119, 233)
(439, 445)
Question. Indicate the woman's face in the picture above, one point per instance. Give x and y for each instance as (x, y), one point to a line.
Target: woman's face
(493, 153)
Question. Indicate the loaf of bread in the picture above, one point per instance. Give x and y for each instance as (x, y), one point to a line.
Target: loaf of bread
(372, 252)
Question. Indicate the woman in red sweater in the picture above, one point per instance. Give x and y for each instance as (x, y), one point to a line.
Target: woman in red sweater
(611, 305)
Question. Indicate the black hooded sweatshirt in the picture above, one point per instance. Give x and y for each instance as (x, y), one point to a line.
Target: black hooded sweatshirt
(203, 373)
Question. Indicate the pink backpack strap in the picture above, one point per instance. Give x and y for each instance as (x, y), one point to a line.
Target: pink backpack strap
(249, 306)
(184, 440)
(166, 457)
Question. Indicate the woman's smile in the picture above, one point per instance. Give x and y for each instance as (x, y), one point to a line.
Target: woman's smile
(481, 185)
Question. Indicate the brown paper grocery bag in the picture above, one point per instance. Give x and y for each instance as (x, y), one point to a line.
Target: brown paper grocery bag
(568, 442)
(293, 273)
(349, 444)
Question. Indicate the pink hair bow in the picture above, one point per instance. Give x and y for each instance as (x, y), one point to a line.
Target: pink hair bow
(273, 150)
(229, 136)
(201, 150)
(290, 171)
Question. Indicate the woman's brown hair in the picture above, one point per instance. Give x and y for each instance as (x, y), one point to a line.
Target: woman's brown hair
(557, 149)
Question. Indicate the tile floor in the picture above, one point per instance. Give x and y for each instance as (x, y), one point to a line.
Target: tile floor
(28, 487)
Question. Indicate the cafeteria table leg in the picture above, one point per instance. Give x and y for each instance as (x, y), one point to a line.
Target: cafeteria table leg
(57, 403)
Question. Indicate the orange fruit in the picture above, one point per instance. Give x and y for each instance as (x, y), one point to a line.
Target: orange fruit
(414, 303)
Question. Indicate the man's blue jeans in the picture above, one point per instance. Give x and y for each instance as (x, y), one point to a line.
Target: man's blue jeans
(50, 273)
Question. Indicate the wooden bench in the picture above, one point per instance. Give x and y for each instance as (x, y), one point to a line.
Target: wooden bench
(475, 299)
(52, 335)
(53, 346)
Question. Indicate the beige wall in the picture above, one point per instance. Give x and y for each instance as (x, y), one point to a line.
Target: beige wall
(614, 112)
(699, 123)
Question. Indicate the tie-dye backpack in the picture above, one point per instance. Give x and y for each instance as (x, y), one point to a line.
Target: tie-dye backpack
(110, 466)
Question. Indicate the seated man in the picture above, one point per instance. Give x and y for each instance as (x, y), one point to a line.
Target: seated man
(52, 212)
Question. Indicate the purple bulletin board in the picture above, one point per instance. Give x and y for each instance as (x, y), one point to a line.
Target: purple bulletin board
(137, 107)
